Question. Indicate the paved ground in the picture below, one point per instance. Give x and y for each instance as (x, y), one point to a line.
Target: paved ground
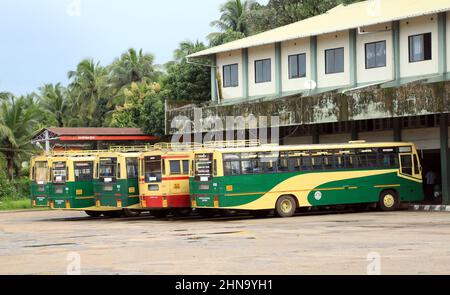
(407, 242)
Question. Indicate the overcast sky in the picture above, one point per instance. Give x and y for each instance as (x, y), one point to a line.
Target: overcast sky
(41, 40)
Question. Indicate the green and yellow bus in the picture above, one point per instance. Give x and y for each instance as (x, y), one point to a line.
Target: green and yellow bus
(116, 186)
(72, 178)
(40, 181)
(285, 178)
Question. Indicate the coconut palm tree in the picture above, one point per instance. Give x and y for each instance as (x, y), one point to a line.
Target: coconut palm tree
(233, 16)
(54, 101)
(19, 120)
(89, 91)
(187, 47)
(133, 66)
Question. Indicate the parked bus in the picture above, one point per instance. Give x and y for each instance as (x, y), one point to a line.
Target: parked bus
(116, 184)
(164, 182)
(72, 177)
(285, 178)
(40, 181)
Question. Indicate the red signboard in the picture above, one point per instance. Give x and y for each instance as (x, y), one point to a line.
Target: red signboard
(107, 138)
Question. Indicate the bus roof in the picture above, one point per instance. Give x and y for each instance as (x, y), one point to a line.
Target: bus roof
(268, 147)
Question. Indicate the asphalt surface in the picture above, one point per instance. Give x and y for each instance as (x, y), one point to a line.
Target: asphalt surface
(54, 242)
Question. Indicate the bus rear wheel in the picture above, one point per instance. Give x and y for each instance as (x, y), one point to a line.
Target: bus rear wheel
(286, 206)
(131, 213)
(93, 213)
(388, 201)
(160, 213)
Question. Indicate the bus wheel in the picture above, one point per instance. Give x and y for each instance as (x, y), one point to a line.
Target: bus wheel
(388, 201)
(286, 206)
(181, 212)
(131, 213)
(93, 213)
(113, 214)
(227, 213)
(261, 213)
(159, 213)
(207, 213)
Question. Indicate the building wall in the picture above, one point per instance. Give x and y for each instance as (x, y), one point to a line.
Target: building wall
(288, 48)
(382, 32)
(298, 140)
(414, 26)
(258, 53)
(448, 41)
(424, 138)
(377, 136)
(331, 41)
(335, 138)
(228, 58)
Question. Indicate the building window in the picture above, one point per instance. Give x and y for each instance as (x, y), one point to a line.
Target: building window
(297, 66)
(376, 55)
(263, 71)
(230, 76)
(334, 60)
(420, 47)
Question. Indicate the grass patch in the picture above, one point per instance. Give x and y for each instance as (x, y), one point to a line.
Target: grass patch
(14, 204)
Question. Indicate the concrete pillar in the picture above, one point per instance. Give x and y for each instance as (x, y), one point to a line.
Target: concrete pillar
(354, 130)
(278, 69)
(315, 134)
(245, 73)
(396, 45)
(353, 58)
(397, 129)
(214, 92)
(313, 58)
(445, 160)
(442, 39)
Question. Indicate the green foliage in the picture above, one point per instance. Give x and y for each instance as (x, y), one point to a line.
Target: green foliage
(278, 13)
(15, 204)
(7, 190)
(19, 118)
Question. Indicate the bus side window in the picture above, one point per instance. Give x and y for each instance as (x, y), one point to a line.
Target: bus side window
(416, 165)
(185, 167)
(175, 167)
(406, 164)
(118, 170)
(215, 167)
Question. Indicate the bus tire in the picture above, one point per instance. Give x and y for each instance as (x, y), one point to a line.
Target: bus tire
(389, 201)
(181, 212)
(131, 213)
(93, 213)
(207, 213)
(286, 206)
(159, 213)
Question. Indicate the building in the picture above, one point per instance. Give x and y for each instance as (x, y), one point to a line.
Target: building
(89, 138)
(374, 70)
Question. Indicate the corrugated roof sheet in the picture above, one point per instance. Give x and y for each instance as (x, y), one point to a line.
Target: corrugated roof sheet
(96, 131)
(340, 18)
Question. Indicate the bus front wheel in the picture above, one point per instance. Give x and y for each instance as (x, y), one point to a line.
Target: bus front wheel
(93, 213)
(388, 201)
(286, 206)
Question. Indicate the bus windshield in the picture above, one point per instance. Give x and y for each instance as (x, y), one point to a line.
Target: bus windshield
(108, 168)
(59, 172)
(203, 167)
(41, 172)
(83, 171)
(153, 169)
